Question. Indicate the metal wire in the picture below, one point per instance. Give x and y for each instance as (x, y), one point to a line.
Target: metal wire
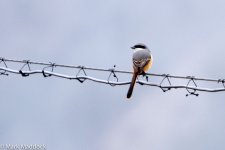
(113, 78)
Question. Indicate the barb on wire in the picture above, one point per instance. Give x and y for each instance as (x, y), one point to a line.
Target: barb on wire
(80, 79)
(222, 81)
(81, 75)
(52, 66)
(3, 72)
(191, 80)
(163, 80)
(112, 72)
(26, 63)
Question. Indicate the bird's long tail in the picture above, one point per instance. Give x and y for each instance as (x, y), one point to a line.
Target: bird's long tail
(133, 81)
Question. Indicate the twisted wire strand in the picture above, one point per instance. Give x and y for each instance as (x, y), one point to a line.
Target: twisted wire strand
(192, 90)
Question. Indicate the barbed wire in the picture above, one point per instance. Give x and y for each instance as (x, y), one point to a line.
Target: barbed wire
(112, 79)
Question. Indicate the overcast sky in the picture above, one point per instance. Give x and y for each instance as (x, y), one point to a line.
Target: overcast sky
(185, 37)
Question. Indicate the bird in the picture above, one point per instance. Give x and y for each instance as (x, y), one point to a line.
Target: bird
(142, 62)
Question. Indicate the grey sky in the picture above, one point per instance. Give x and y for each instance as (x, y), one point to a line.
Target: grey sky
(185, 37)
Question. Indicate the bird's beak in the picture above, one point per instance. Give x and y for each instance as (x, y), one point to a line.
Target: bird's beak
(132, 47)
